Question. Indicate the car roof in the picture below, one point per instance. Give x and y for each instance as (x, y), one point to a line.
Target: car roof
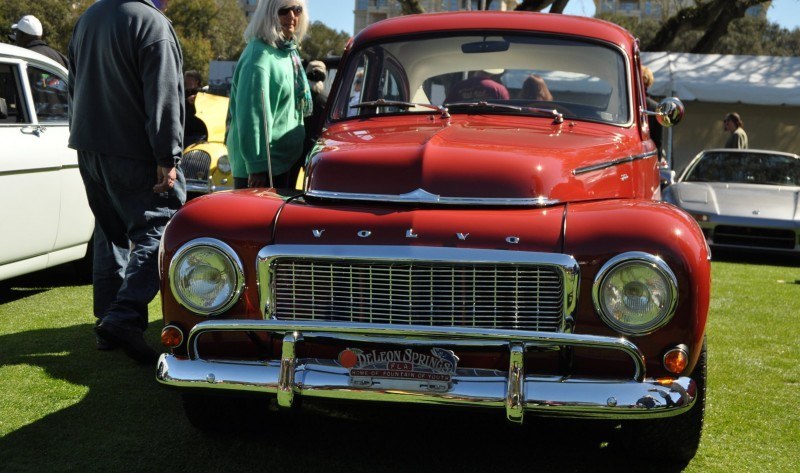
(11, 51)
(482, 21)
(749, 151)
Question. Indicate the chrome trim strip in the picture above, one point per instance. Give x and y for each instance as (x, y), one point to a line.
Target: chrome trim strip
(616, 162)
(421, 196)
(38, 170)
(546, 395)
(269, 255)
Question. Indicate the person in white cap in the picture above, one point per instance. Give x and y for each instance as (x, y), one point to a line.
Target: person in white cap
(27, 33)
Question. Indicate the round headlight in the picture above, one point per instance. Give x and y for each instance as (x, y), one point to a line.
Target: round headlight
(635, 293)
(206, 276)
(224, 165)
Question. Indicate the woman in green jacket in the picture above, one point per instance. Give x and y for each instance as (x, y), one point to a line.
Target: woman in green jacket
(269, 98)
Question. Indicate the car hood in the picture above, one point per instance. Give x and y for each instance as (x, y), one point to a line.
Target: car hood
(739, 200)
(474, 159)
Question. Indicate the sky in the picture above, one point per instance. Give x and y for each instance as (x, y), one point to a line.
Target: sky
(338, 14)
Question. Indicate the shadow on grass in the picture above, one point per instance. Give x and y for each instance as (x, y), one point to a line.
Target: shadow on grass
(20, 287)
(128, 422)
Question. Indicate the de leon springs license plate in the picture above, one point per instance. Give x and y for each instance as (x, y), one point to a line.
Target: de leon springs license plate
(405, 369)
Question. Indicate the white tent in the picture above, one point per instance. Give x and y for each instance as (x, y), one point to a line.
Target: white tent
(764, 90)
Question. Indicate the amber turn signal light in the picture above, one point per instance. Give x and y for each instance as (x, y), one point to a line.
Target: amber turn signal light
(675, 360)
(171, 336)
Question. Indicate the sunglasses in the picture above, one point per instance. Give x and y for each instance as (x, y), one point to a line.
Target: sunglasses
(296, 9)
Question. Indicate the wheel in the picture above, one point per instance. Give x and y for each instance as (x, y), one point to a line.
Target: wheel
(673, 439)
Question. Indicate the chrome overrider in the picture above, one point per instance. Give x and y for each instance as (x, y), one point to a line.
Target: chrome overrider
(514, 390)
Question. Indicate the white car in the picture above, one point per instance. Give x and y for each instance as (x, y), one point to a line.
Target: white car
(743, 199)
(46, 220)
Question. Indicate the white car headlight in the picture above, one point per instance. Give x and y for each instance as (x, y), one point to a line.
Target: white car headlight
(635, 293)
(224, 165)
(206, 276)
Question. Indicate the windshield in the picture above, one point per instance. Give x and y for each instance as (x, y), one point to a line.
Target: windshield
(475, 73)
(746, 168)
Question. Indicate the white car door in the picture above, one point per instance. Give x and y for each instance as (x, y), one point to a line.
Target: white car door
(75, 219)
(42, 202)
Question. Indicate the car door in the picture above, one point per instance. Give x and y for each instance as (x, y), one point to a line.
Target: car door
(33, 160)
(48, 92)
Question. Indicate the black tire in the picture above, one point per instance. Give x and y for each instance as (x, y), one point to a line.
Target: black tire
(671, 439)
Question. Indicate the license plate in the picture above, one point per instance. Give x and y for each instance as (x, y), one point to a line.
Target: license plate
(404, 369)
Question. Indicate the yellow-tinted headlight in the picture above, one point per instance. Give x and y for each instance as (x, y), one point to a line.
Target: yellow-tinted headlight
(635, 293)
(206, 276)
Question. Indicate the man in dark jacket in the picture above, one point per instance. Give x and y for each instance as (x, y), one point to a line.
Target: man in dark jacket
(27, 33)
(126, 122)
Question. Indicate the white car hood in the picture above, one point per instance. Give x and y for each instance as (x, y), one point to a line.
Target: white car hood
(740, 200)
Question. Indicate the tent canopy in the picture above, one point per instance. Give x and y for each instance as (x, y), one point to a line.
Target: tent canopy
(723, 78)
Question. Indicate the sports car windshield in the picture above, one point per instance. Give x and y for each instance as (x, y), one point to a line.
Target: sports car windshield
(487, 74)
(746, 168)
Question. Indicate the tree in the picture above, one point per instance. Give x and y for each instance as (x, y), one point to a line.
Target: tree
(57, 17)
(207, 30)
(323, 41)
(712, 16)
(749, 35)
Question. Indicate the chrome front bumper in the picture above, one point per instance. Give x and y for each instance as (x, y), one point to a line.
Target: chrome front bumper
(204, 187)
(512, 390)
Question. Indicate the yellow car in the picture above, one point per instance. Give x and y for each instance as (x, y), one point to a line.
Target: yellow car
(205, 163)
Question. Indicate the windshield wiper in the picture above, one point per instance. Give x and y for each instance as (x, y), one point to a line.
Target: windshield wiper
(557, 116)
(399, 103)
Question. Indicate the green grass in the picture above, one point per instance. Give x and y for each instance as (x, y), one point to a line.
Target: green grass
(66, 407)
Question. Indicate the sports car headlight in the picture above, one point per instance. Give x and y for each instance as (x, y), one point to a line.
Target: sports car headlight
(224, 165)
(635, 293)
(206, 276)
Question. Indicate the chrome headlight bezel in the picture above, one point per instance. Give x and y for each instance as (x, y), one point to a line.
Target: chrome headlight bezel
(231, 261)
(648, 262)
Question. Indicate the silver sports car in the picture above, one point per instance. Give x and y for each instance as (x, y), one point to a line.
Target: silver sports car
(743, 199)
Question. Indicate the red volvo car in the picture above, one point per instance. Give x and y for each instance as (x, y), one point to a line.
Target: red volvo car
(479, 226)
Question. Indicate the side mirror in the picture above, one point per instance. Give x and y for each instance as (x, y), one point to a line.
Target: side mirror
(670, 111)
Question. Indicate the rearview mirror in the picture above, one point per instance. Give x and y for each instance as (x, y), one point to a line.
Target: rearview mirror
(485, 47)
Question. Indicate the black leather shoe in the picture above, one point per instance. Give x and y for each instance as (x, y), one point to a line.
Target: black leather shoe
(103, 344)
(129, 339)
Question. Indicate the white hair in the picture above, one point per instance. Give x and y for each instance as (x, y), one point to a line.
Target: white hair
(265, 25)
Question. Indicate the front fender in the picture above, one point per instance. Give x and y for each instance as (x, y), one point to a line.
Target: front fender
(597, 231)
(244, 220)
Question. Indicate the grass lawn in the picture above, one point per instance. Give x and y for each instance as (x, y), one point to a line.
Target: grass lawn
(66, 407)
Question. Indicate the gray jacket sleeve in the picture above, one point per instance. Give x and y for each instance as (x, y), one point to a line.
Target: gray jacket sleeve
(161, 66)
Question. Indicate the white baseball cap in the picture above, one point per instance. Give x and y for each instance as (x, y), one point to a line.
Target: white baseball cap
(28, 24)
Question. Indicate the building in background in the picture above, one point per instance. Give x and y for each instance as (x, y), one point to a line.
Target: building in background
(249, 6)
(368, 12)
(659, 9)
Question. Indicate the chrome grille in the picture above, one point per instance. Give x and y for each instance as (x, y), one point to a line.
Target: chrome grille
(508, 296)
(195, 165)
